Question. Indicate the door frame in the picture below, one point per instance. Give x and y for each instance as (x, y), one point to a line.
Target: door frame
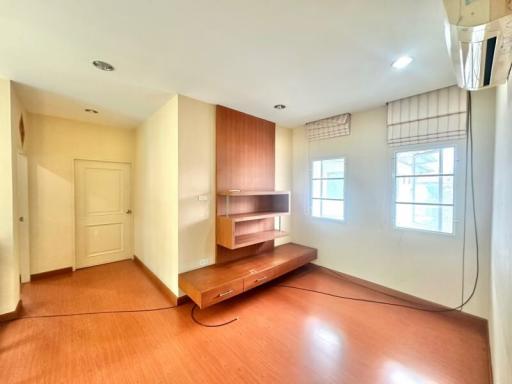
(24, 257)
(75, 205)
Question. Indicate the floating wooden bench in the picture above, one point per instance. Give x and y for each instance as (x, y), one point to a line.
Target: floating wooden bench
(215, 283)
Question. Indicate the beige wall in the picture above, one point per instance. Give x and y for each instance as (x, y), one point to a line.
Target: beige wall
(501, 260)
(367, 245)
(283, 176)
(196, 183)
(53, 145)
(9, 265)
(156, 194)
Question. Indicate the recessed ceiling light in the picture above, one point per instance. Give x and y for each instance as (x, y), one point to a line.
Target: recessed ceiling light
(402, 62)
(103, 65)
(279, 106)
(90, 110)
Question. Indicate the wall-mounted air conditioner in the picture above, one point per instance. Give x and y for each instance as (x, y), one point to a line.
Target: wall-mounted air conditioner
(479, 39)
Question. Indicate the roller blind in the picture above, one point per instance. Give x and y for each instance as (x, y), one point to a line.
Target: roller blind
(428, 117)
(328, 128)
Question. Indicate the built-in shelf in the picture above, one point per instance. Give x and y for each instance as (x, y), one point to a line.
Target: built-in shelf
(257, 237)
(247, 217)
(239, 217)
(251, 193)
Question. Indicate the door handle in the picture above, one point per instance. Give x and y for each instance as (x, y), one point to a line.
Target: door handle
(128, 211)
(21, 219)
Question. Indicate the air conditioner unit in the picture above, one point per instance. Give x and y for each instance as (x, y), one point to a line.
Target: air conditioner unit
(479, 39)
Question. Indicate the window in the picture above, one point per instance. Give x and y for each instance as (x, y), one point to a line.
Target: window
(328, 189)
(424, 183)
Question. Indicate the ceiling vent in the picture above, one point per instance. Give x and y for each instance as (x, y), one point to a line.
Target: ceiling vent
(479, 39)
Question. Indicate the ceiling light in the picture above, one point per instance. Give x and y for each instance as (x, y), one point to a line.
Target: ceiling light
(90, 110)
(402, 62)
(103, 65)
(279, 106)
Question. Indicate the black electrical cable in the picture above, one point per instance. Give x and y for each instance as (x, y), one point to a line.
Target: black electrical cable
(193, 316)
(469, 139)
(92, 313)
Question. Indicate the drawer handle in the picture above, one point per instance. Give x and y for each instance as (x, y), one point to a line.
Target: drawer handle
(260, 279)
(225, 293)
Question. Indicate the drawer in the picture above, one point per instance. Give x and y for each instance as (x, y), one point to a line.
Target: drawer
(258, 278)
(221, 293)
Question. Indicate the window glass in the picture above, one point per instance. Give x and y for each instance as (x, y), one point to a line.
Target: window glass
(328, 188)
(424, 189)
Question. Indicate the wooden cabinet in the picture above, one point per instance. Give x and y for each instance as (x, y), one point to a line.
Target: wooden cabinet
(215, 283)
(247, 217)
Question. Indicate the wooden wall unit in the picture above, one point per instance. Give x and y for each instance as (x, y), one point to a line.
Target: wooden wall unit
(247, 206)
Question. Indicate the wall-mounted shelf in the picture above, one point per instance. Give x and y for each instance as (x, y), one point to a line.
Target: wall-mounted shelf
(247, 217)
(239, 217)
(210, 285)
(251, 193)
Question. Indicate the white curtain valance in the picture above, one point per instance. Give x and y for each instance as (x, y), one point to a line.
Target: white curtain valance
(428, 117)
(328, 128)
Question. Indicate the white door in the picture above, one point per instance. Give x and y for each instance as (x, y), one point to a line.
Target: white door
(22, 211)
(103, 214)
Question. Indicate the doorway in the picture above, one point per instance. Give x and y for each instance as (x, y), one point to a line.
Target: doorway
(102, 212)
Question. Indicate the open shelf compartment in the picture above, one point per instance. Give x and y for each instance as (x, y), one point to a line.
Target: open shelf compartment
(247, 217)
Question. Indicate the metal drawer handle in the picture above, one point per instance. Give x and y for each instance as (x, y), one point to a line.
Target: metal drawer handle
(261, 279)
(225, 293)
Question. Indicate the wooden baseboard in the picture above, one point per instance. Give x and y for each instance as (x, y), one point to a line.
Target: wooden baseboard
(479, 321)
(42, 275)
(158, 283)
(16, 314)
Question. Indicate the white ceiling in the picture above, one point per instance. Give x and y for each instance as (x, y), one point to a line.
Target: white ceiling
(318, 57)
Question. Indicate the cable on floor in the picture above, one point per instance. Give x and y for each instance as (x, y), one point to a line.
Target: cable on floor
(92, 313)
(470, 168)
(193, 316)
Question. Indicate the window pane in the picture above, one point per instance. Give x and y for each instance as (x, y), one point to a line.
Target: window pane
(332, 189)
(447, 219)
(418, 216)
(317, 169)
(317, 188)
(447, 189)
(417, 163)
(448, 160)
(315, 208)
(404, 189)
(426, 190)
(404, 164)
(333, 209)
(333, 168)
(426, 162)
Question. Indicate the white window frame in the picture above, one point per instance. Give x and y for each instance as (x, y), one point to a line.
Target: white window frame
(457, 183)
(311, 198)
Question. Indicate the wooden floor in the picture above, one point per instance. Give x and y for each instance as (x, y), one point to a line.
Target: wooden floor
(282, 336)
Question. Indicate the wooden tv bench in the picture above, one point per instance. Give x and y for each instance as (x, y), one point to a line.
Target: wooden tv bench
(215, 283)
